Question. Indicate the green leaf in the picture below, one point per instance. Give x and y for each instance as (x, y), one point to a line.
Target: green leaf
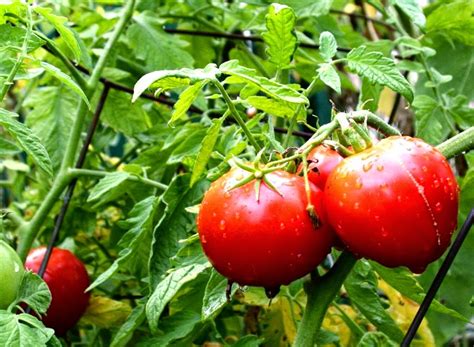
(67, 80)
(7, 148)
(51, 116)
(280, 36)
(276, 107)
(125, 333)
(379, 69)
(215, 295)
(369, 95)
(135, 242)
(159, 51)
(13, 7)
(66, 33)
(206, 149)
(34, 292)
(430, 124)
(23, 330)
(403, 281)
(328, 74)
(123, 116)
(249, 341)
(361, 286)
(167, 289)
(26, 140)
(412, 9)
(106, 185)
(327, 46)
(186, 99)
(453, 20)
(175, 327)
(174, 224)
(170, 79)
(376, 339)
(306, 8)
(240, 74)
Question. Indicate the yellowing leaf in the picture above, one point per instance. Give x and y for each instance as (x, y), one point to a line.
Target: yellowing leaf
(106, 313)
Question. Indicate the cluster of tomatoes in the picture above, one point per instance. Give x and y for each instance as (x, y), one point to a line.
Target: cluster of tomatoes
(65, 276)
(395, 202)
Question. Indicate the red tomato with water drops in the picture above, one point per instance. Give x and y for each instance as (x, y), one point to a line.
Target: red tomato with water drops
(324, 160)
(395, 203)
(67, 280)
(268, 242)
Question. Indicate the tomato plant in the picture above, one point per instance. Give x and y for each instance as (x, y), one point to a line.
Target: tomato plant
(395, 203)
(67, 280)
(116, 117)
(11, 273)
(266, 240)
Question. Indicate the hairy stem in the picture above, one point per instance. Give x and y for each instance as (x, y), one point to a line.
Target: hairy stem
(462, 142)
(321, 292)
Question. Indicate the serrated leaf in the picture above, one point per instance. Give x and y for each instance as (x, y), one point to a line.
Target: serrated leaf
(174, 223)
(159, 50)
(379, 69)
(304, 8)
(327, 46)
(412, 9)
(23, 330)
(280, 36)
(106, 313)
(454, 20)
(206, 149)
(361, 286)
(369, 95)
(175, 327)
(430, 124)
(186, 99)
(34, 292)
(375, 339)
(275, 107)
(404, 282)
(7, 148)
(215, 295)
(106, 184)
(167, 289)
(66, 33)
(170, 79)
(26, 140)
(328, 74)
(125, 333)
(135, 242)
(67, 80)
(240, 74)
(51, 117)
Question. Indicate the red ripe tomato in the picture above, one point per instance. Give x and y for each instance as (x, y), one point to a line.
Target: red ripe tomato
(395, 203)
(265, 243)
(324, 160)
(67, 280)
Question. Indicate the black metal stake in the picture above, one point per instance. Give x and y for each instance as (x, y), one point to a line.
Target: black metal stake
(80, 162)
(443, 270)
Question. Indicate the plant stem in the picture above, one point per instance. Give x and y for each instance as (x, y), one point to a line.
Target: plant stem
(236, 115)
(24, 51)
(462, 142)
(306, 93)
(321, 292)
(29, 231)
(95, 173)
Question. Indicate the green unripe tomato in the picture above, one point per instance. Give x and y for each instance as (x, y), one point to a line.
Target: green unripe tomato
(11, 273)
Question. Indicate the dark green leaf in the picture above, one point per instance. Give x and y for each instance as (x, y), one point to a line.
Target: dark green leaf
(431, 125)
(124, 334)
(26, 140)
(361, 285)
(186, 99)
(379, 69)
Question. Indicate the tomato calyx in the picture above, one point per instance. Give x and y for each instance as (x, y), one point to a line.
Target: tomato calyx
(353, 133)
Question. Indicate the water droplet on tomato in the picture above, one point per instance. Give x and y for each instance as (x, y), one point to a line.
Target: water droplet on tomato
(341, 203)
(356, 205)
(282, 226)
(214, 214)
(438, 207)
(421, 189)
(451, 197)
(383, 232)
(424, 168)
(367, 166)
(299, 255)
(358, 183)
(379, 167)
(339, 227)
(399, 198)
(203, 239)
(222, 225)
(298, 217)
(237, 215)
(436, 184)
(346, 184)
(344, 195)
(224, 235)
(377, 218)
(227, 194)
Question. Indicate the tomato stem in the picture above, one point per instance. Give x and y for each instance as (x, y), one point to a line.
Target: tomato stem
(462, 142)
(321, 292)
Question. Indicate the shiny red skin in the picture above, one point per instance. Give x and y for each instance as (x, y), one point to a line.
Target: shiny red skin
(265, 243)
(67, 280)
(325, 159)
(395, 203)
